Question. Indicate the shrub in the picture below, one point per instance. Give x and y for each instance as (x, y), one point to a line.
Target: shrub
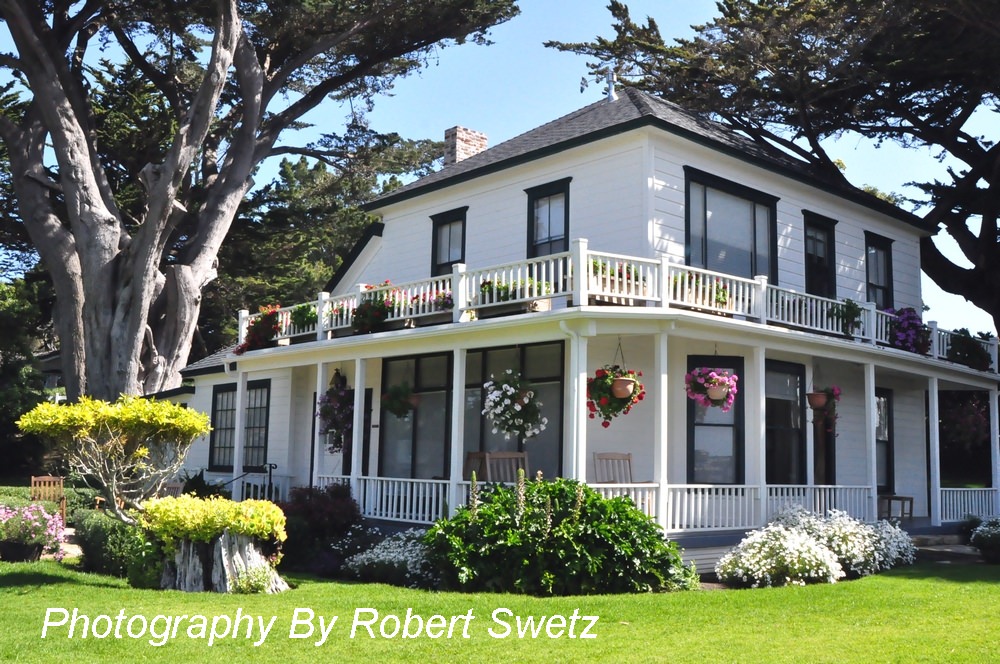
(967, 525)
(554, 538)
(316, 516)
(328, 560)
(18, 501)
(145, 568)
(400, 560)
(252, 580)
(199, 487)
(966, 349)
(986, 538)
(108, 544)
(203, 519)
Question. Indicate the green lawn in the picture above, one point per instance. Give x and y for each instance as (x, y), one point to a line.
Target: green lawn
(931, 612)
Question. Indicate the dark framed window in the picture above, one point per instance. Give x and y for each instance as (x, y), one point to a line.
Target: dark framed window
(548, 218)
(878, 270)
(222, 442)
(820, 254)
(449, 240)
(784, 423)
(884, 475)
(731, 228)
(716, 440)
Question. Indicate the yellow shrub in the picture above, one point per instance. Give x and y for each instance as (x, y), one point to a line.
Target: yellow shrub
(202, 519)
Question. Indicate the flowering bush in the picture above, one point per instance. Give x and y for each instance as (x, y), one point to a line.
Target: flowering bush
(699, 379)
(797, 547)
(261, 331)
(400, 559)
(986, 538)
(31, 525)
(601, 398)
(335, 410)
(511, 405)
(908, 332)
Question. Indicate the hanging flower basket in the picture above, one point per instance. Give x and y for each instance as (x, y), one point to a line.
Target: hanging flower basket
(825, 400)
(335, 410)
(817, 400)
(612, 392)
(711, 387)
(511, 406)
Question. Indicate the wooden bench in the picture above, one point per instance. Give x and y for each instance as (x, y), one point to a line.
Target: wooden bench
(886, 503)
(50, 488)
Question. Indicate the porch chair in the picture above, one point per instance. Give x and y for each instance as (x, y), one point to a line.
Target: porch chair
(50, 487)
(171, 489)
(503, 466)
(613, 467)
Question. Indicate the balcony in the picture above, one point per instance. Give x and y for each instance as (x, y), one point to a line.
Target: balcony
(538, 284)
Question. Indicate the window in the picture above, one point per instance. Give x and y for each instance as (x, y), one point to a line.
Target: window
(785, 440)
(715, 438)
(821, 276)
(449, 240)
(883, 441)
(222, 443)
(730, 228)
(548, 218)
(878, 267)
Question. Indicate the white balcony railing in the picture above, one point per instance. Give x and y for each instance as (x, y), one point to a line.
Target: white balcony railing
(611, 279)
(958, 504)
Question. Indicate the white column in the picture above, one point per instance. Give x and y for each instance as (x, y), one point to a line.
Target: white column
(995, 449)
(358, 432)
(934, 444)
(580, 268)
(457, 428)
(319, 439)
(239, 435)
(755, 399)
(871, 422)
(661, 422)
(809, 418)
(578, 410)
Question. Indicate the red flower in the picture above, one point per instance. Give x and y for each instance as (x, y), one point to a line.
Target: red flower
(606, 423)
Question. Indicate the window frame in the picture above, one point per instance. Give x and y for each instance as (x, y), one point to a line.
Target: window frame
(239, 419)
(217, 431)
(799, 371)
(534, 195)
(739, 419)
(828, 225)
(874, 241)
(694, 175)
(439, 221)
(890, 443)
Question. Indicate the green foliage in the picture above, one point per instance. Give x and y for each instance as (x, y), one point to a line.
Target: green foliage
(109, 545)
(848, 315)
(23, 501)
(198, 486)
(252, 580)
(986, 538)
(20, 380)
(556, 537)
(173, 518)
(968, 350)
(145, 568)
(304, 316)
(314, 517)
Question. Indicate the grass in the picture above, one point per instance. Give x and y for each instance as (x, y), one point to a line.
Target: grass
(930, 612)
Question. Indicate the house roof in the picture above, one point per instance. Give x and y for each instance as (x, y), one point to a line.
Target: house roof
(632, 109)
(210, 364)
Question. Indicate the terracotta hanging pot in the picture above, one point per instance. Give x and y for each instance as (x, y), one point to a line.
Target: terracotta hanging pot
(717, 392)
(817, 400)
(622, 388)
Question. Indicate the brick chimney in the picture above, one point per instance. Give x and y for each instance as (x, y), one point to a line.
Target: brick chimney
(461, 143)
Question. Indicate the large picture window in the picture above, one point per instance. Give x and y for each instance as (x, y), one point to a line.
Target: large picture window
(222, 443)
(730, 228)
(548, 218)
(449, 240)
(715, 438)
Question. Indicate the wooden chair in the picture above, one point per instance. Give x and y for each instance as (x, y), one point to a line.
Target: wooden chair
(503, 466)
(50, 488)
(171, 489)
(613, 467)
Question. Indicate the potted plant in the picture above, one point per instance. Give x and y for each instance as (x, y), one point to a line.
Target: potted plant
(612, 391)
(824, 400)
(25, 532)
(400, 400)
(262, 330)
(304, 316)
(374, 309)
(966, 349)
(335, 410)
(711, 387)
(511, 406)
(848, 314)
(908, 332)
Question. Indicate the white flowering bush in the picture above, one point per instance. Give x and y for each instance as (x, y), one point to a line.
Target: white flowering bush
(771, 556)
(400, 560)
(511, 406)
(986, 538)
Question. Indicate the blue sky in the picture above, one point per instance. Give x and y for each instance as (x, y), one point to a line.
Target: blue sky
(516, 84)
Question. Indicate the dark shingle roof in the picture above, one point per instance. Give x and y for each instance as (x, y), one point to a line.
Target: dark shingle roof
(214, 363)
(631, 110)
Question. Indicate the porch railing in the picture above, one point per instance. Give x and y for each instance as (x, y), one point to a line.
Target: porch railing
(643, 495)
(855, 500)
(260, 486)
(323, 481)
(693, 507)
(414, 501)
(958, 504)
(612, 279)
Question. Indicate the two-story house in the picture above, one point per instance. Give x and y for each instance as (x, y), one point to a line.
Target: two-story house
(733, 257)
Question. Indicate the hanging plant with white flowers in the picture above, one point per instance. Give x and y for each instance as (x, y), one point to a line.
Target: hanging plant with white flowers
(511, 406)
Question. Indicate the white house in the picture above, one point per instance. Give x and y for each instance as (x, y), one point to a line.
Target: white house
(733, 257)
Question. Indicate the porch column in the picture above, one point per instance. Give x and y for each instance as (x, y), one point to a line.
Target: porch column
(576, 420)
(755, 399)
(358, 430)
(871, 422)
(317, 454)
(809, 419)
(934, 445)
(457, 429)
(661, 423)
(239, 435)
(995, 448)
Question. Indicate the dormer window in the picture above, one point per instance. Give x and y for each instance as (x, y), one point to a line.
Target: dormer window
(548, 218)
(449, 240)
(730, 228)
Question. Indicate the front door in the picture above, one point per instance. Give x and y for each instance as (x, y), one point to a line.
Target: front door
(785, 439)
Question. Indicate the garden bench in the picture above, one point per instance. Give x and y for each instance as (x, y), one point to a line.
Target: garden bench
(49, 488)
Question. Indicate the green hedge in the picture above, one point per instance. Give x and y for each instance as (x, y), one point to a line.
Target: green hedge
(108, 545)
(18, 501)
(76, 498)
